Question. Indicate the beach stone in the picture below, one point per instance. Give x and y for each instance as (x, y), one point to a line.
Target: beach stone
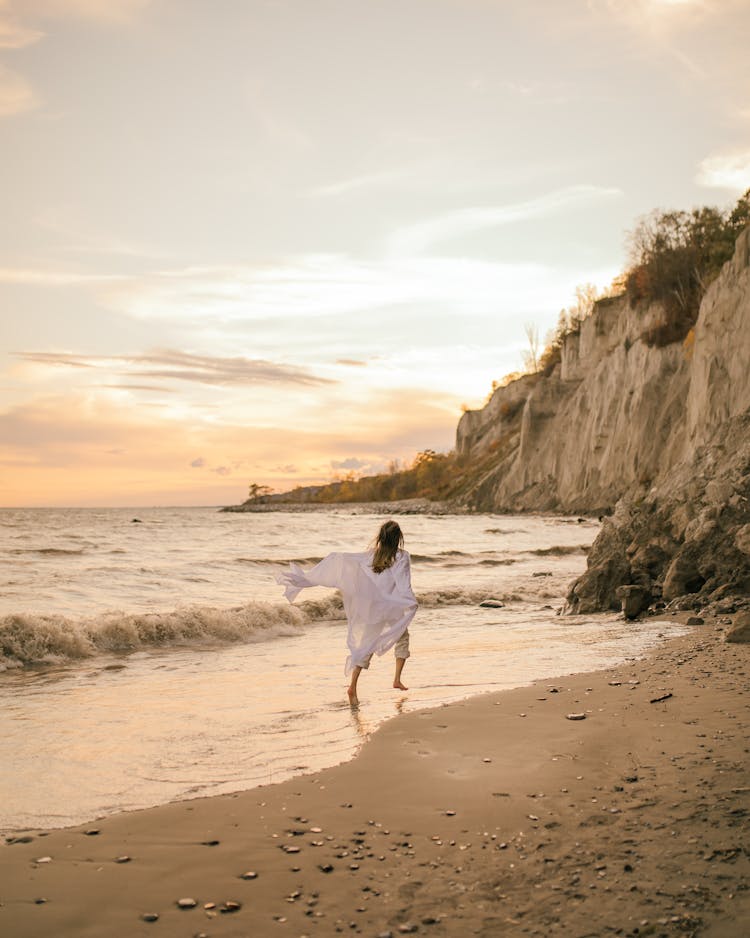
(40, 901)
(210, 843)
(385, 934)
(123, 859)
(325, 867)
(251, 874)
(634, 600)
(695, 620)
(43, 860)
(740, 630)
(19, 840)
(187, 903)
(408, 928)
(92, 832)
(231, 906)
(150, 917)
(575, 716)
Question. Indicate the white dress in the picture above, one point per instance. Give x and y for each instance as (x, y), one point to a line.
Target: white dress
(378, 606)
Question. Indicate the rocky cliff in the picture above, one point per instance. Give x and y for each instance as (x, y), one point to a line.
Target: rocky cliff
(659, 432)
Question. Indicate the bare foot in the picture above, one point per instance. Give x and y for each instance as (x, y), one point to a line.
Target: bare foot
(353, 699)
(399, 686)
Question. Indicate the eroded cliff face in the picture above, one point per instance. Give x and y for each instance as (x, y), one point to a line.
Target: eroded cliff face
(662, 433)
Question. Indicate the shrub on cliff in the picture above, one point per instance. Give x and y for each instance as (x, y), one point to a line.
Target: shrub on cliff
(674, 256)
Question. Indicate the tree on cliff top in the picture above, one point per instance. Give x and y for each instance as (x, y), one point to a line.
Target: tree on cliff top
(674, 256)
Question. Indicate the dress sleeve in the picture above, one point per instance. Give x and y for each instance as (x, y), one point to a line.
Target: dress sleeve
(328, 572)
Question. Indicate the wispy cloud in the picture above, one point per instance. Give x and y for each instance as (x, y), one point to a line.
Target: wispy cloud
(13, 34)
(53, 278)
(16, 94)
(367, 181)
(183, 366)
(114, 11)
(333, 285)
(726, 171)
(417, 238)
(351, 462)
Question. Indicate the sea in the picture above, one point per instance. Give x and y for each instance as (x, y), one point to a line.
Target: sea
(148, 655)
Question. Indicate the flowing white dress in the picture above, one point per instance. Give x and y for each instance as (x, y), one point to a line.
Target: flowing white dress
(378, 606)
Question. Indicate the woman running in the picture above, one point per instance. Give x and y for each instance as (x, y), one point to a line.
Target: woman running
(378, 600)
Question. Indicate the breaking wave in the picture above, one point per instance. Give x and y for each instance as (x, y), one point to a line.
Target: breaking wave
(30, 639)
(264, 561)
(48, 551)
(559, 550)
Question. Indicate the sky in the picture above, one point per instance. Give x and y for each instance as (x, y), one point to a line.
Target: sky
(273, 241)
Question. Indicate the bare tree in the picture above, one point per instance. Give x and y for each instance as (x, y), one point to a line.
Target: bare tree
(531, 355)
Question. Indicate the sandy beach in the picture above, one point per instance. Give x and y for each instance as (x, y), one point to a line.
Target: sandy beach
(493, 816)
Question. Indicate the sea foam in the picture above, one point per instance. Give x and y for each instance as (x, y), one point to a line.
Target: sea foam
(31, 639)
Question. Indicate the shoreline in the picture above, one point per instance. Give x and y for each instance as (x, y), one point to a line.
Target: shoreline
(548, 834)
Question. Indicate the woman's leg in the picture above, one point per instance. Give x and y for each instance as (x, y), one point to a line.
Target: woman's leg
(402, 653)
(352, 689)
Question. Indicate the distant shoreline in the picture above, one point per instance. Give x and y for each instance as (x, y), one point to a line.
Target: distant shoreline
(404, 506)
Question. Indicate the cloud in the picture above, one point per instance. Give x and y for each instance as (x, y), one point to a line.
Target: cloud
(222, 471)
(726, 171)
(417, 238)
(14, 35)
(183, 366)
(351, 362)
(351, 463)
(16, 94)
(114, 11)
(367, 181)
(329, 285)
(51, 278)
(198, 463)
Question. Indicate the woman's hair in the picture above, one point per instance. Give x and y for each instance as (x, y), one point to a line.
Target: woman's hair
(387, 543)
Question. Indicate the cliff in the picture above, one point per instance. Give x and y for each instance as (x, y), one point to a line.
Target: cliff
(661, 429)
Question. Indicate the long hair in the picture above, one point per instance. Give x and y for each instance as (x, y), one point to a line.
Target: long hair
(387, 543)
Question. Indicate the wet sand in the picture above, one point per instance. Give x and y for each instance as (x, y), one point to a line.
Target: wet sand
(494, 816)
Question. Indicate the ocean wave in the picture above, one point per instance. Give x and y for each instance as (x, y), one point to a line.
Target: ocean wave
(438, 558)
(30, 639)
(463, 597)
(559, 550)
(27, 639)
(282, 562)
(49, 551)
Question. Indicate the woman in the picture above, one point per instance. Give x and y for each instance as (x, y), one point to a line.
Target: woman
(378, 599)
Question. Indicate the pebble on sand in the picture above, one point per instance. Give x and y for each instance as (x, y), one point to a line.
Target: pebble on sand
(150, 917)
(251, 874)
(231, 906)
(575, 716)
(123, 859)
(186, 903)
